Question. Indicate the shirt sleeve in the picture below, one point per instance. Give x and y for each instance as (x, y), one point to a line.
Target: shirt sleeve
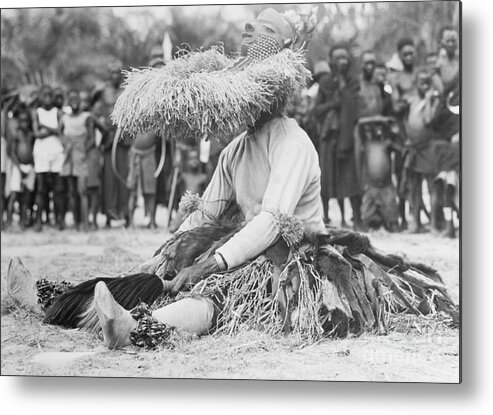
(215, 198)
(292, 165)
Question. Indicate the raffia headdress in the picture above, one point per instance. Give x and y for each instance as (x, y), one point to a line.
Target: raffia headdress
(207, 94)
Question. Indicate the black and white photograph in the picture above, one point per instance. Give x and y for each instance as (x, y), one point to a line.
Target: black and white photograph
(235, 191)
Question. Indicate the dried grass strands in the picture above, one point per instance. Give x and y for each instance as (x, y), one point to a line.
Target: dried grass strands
(306, 320)
(198, 96)
(246, 296)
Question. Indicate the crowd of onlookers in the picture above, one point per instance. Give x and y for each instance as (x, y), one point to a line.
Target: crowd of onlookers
(381, 130)
(59, 155)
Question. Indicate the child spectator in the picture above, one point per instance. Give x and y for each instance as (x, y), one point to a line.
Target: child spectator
(95, 162)
(420, 162)
(193, 180)
(78, 140)
(141, 168)
(375, 141)
(22, 179)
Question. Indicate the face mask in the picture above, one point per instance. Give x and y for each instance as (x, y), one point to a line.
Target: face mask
(262, 47)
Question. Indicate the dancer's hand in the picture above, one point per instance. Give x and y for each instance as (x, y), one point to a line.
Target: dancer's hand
(193, 274)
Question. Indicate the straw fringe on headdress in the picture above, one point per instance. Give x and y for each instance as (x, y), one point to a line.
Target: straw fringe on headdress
(201, 95)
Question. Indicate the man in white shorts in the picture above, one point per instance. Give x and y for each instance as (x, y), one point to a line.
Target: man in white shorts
(48, 157)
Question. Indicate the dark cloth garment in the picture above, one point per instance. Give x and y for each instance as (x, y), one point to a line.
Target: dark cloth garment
(336, 113)
(338, 176)
(2, 190)
(446, 124)
(421, 158)
(141, 168)
(115, 193)
(433, 157)
(379, 207)
(94, 165)
(447, 156)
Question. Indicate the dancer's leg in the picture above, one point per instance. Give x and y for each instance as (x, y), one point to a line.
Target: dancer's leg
(116, 322)
(194, 315)
(21, 285)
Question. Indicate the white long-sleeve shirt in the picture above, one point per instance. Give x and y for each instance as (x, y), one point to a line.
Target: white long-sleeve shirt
(274, 169)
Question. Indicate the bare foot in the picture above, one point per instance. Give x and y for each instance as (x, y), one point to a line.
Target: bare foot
(449, 231)
(116, 322)
(21, 285)
(151, 225)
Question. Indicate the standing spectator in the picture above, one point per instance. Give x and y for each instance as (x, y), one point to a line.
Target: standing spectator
(380, 77)
(370, 101)
(22, 177)
(448, 62)
(48, 158)
(115, 192)
(3, 160)
(59, 98)
(321, 74)
(78, 140)
(432, 61)
(446, 123)
(192, 179)
(95, 162)
(447, 126)
(336, 113)
(420, 158)
(373, 151)
(142, 165)
(403, 85)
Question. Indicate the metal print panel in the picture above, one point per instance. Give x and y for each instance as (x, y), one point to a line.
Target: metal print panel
(232, 192)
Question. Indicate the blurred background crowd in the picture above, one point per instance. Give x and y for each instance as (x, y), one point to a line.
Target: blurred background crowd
(382, 111)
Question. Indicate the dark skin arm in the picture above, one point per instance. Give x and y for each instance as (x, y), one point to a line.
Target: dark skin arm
(430, 108)
(193, 274)
(91, 142)
(12, 150)
(99, 125)
(399, 106)
(42, 131)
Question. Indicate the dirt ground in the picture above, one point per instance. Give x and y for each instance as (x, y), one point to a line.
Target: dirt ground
(421, 350)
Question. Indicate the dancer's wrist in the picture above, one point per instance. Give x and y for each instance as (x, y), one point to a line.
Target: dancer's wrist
(221, 263)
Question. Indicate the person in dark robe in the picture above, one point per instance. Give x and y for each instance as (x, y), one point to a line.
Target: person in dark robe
(336, 113)
(114, 191)
(447, 126)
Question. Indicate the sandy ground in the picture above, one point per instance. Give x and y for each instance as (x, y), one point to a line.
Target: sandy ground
(419, 351)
